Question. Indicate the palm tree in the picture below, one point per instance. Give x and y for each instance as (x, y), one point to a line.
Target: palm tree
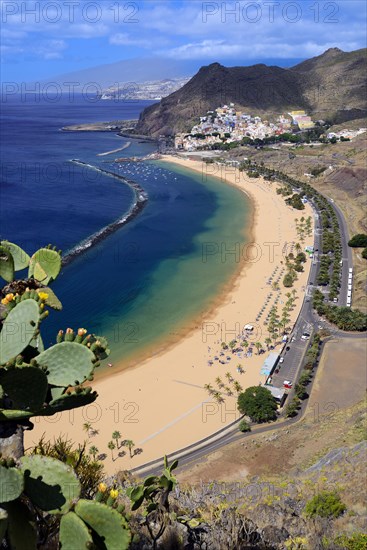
(116, 436)
(258, 346)
(298, 248)
(112, 447)
(229, 376)
(93, 451)
(267, 342)
(87, 426)
(129, 444)
(237, 386)
(218, 381)
(228, 391)
(208, 388)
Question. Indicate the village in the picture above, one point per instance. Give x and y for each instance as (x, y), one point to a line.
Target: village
(226, 124)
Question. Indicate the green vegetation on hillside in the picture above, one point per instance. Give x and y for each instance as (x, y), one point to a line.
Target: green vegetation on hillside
(358, 241)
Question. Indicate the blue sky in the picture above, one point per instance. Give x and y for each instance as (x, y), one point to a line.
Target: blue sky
(43, 38)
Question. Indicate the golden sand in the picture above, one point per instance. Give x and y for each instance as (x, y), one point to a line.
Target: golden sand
(161, 404)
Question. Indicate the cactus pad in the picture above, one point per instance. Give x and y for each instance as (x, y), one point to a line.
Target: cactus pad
(70, 401)
(52, 299)
(3, 522)
(21, 531)
(21, 258)
(26, 386)
(11, 414)
(67, 363)
(18, 329)
(45, 265)
(6, 264)
(74, 533)
(109, 525)
(50, 484)
(12, 483)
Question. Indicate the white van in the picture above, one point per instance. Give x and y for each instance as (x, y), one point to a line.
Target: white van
(350, 288)
(351, 270)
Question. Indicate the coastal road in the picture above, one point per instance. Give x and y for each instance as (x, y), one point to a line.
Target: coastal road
(308, 321)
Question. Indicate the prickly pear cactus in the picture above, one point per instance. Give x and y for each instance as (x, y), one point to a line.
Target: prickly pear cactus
(51, 300)
(21, 526)
(45, 265)
(20, 257)
(109, 525)
(6, 264)
(18, 329)
(68, 363)
(50, 484)
(11, 485)
(74, 533)
(25, 385)
(69, 401)
(3, 522)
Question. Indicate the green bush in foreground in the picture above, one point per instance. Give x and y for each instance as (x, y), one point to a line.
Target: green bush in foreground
(326, 504)
(364, 253)
(358, 541)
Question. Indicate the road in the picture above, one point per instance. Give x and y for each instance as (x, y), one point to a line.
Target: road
(308, 321)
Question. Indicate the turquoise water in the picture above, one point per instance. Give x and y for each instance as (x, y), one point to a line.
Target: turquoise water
(147, 280)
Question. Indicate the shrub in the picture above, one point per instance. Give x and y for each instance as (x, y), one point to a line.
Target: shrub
(358, 241)
(326, 504)
(244, 426)
(288, 280)
(357, 541)
(364, 254)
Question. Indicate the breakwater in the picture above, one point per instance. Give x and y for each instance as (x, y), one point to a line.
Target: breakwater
(140, 201)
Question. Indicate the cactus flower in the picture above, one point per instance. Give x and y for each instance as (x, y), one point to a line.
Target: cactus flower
(114, 493)
(4, 301)
(43, 296)
(82, 331)
(69, 331)
(9, 297)
(102, 487)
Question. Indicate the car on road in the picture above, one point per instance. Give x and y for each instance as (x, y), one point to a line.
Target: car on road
(281, 360)
(305, 336)
(287, 384)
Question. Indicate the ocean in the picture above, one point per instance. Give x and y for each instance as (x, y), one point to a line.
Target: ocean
(145, 282)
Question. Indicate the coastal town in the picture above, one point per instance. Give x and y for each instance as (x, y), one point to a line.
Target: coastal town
(227, 127)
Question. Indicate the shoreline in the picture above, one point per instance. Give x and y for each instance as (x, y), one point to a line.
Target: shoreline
(161, 404)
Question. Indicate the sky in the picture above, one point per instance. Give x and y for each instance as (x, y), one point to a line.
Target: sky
(43, 38)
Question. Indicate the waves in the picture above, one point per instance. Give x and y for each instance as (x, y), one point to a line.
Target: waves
(140, 201)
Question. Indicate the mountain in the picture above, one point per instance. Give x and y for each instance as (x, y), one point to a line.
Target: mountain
(332, 86)
(128, 71)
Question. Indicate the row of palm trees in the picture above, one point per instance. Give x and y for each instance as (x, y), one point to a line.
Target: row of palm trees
(115, 442)
(223, 388)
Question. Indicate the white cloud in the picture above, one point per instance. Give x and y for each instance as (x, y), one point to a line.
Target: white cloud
(123, 39)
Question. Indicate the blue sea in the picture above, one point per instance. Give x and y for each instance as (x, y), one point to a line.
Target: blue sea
(147, 281)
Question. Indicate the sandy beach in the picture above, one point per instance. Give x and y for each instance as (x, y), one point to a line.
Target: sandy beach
(162, 404)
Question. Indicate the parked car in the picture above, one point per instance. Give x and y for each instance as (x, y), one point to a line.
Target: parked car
(287, 384)
(281, 360)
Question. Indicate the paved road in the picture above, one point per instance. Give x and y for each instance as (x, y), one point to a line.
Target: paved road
(308, 321)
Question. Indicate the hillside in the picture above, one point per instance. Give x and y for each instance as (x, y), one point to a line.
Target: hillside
(332, 86)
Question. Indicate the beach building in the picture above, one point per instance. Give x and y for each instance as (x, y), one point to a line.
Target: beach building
(278, 393)
(269, 363)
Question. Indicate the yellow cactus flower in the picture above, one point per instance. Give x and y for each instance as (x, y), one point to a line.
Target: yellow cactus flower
(9, 297)
(43, 296)
(102, 487)
(4, 301)
(114, 493)
(82, 331)
(69, 330)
